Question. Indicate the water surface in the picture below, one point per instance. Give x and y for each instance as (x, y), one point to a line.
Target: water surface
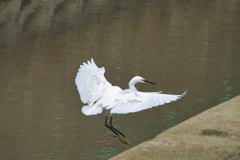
(179, 45)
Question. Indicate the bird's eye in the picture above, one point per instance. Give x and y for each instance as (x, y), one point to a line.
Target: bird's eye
(142, 79)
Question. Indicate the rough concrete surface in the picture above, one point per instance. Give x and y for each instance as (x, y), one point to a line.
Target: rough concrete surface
(211, 135)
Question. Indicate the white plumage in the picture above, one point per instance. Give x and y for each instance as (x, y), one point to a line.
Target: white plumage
(99, 94)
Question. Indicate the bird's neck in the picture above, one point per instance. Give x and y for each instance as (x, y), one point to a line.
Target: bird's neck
(131, 85)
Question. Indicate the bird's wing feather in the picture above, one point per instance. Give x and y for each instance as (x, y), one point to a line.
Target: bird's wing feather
(129, 102)
(90, 81)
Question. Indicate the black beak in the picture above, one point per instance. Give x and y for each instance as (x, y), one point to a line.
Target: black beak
(149, 82)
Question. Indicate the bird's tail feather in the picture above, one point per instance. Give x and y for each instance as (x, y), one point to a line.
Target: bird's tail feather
(92, 110)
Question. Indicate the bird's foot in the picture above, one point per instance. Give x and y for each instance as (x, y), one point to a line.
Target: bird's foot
(123, 139)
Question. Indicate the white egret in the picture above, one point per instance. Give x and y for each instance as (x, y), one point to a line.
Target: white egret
(99, 95)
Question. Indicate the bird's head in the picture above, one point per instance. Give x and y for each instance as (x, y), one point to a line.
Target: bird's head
(138, 79)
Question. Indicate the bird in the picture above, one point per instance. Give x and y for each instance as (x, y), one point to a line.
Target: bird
(98, 94)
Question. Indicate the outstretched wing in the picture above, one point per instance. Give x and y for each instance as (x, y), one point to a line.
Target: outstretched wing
(91, 83)
(129, 102)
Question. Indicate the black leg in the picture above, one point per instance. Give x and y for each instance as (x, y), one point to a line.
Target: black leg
(109, 127)
(115, 128)
(121, 136)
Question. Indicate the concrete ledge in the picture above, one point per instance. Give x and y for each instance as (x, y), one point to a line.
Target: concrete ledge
(212, 134)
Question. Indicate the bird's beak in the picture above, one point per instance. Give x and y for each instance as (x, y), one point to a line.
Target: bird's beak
(149, 82)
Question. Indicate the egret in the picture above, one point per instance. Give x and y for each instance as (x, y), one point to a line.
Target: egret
(99, 95)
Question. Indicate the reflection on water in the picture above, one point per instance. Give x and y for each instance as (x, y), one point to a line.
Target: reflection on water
(180, 45)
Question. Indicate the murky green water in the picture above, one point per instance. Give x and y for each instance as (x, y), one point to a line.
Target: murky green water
(179, 45)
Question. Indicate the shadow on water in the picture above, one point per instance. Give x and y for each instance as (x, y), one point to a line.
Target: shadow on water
(179, 45)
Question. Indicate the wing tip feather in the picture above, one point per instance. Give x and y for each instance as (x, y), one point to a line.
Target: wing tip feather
(182, 95)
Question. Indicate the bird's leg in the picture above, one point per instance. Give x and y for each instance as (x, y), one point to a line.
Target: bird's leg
(109, 127)
(121, 136)
(115, 128)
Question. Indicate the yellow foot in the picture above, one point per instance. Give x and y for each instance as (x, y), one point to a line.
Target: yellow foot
(123, 139)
